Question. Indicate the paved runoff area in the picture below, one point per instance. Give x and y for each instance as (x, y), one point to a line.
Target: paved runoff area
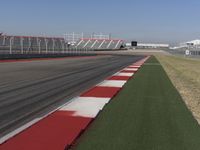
(148, 114)
(28, 88)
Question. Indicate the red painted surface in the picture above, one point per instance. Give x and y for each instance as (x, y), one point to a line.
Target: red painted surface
(125, 78)
(54, 132)
(101, 92)
(133, 67)
(138, 64)
(128, 71)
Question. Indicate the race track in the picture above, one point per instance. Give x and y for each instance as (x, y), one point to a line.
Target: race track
(31, 89)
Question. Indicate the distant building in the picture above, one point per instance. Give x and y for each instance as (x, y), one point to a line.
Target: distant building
(151, 45)
(147, 45)
(193, 43)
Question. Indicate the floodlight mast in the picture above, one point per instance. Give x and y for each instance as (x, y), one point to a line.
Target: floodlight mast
(73, 37)
(101, 36)
(82, 35)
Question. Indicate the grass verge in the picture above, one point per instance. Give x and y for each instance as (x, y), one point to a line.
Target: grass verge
(148, 114)
(185, 75)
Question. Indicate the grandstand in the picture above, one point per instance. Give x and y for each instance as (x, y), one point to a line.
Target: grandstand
(98, 44)
(51, 45)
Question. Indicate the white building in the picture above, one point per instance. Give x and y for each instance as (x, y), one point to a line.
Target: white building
(151, 45)
(193, 43)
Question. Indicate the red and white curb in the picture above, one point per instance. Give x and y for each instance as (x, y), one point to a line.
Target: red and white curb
(60, 129)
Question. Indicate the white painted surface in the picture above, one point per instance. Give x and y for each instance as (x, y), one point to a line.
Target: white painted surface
(152, 45)
(86, 106)
(112, 83)
(135, 66)
(124, 74)
(131, 69)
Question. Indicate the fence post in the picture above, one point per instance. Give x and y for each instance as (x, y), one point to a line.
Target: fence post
(11, 42)
(39, 45)
(53, 45)
(22, 44)
(46, 43)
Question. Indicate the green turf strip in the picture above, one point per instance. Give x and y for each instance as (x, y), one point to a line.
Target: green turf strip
(148, 114)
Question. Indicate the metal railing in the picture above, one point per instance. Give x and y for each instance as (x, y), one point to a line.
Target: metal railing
(37, 45)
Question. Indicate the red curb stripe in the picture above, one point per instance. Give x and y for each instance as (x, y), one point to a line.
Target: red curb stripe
(125, 78)
(137, 64)
(130, 67)
(52, 133)
(101, 92)
(128, 71)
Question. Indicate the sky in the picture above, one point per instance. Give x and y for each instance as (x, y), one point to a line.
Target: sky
(158, 21)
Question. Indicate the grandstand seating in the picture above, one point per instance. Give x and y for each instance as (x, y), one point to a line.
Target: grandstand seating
(29, 45)
(98, 44)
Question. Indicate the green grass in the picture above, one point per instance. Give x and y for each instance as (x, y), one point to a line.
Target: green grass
(148, 114)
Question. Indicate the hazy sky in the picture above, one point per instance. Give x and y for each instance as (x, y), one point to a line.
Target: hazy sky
(143, 20)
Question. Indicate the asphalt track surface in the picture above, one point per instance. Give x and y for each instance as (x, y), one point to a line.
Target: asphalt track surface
(31, 89)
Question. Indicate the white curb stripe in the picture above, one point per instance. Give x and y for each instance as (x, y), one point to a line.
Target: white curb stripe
(124, 74)
(86, 106)
(112, 83)
(131, 69)
(134, 66)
